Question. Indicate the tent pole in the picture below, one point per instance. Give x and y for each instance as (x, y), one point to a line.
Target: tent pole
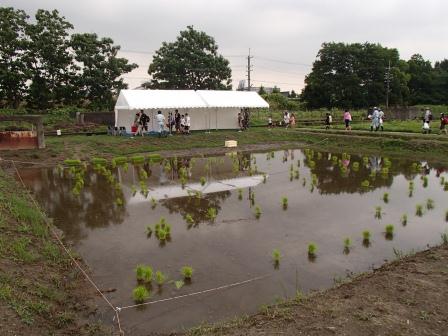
(216, 118)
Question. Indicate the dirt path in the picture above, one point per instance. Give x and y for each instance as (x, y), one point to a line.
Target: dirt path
(405, 297)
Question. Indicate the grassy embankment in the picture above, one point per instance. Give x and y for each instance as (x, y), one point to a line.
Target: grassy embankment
(41, 292)
(388, 143)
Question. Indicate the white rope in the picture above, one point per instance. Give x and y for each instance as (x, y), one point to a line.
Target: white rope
(195, 293)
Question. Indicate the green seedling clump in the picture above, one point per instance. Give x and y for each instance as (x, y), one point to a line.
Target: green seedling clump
(119, 161)
(378, 212)
(419, 210)
(429, 204)
(264, 178)
(285, 203)
(347, 244)
(365, 184)
(240, 194)
(187, 272)
(425, 181)
(203, 180)
(442, 180)
(445, 187)
(99, 161)
(160, 278)
(138, 159)
(386, 197)
(404, 220)
(72, 162)
(312, 249)
(257, 212)
(189, 219)
(276, 256)
(366, 235)
(153, 202)
(149, 230)
(140, 294)
(389, 230)
(154, 158)
(211, 214)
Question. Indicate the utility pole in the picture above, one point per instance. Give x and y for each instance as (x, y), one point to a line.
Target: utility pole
(249, 69)
(388, 77)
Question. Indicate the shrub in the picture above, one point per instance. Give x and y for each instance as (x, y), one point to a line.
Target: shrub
(140, 294)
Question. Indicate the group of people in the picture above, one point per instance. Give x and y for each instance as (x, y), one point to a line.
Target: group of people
(289, 120)
(427, 118)
(243, 119)
(181, 123)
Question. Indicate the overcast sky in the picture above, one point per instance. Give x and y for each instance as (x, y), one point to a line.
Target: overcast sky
(284, 35)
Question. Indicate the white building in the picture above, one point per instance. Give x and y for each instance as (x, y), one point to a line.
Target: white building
(208, 109)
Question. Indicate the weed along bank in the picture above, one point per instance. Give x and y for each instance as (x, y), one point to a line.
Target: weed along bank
(222, 236)
(208, 109)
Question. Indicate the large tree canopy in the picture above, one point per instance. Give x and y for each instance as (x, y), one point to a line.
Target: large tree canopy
(43, 65)
(353, 75)
(191, 62)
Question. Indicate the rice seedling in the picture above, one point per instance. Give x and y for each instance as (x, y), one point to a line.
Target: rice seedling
(140, 294)
(445, 187)
(334, 158)
(312, 164)
(372, 174)
(119, 161)
(139, 272)
(153, 202)
(419, 210)
(96, 161)
(285, 203)
(147, 274)
(389, 231)
(138, 159)
(211, 214)
(291, 176)
(387, 162)
(189, 219)
(149, 230)
(257, 212)
(157, 227)
(154, 158)
(355, 166)
(187, 272)
(298, 163)
(276, 256)
(160, 278)
(425, 181)
(202, 180)
(161, 235)
(446, 216)
(365, 160)
(119, 201)
(442, 180)
(404, 219)
(296, 174)
(378, 212)
(183, 182)
(312, 250)
(386, 197)
(365, 184)
(347, 245)
(313, 179)
(143, 174)
(366, 235)
(429, 204)
(291, 168)
(264, 178)
(240, 194)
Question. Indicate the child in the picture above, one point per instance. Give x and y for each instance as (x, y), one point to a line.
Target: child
(182, 124)
(187, 123)
(270, 122)
(347, 120)
(443, 123)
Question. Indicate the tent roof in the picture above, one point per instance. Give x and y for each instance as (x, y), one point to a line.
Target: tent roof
(170, 99)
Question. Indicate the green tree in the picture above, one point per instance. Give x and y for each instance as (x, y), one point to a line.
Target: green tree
(353, 76)
(98, 70)
(191, 62)
(441, 82)
(261, 91)
(50, 61)
(292, 94)
(275, 89)
(421, 82)
(13, 53)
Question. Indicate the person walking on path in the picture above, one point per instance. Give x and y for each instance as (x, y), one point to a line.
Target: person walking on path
(161, 122)
(375, 120)
(381, 117)
(347, 120)
(286, 119)
(427, 117)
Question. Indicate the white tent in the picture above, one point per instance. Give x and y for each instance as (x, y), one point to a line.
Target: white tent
(207, 109)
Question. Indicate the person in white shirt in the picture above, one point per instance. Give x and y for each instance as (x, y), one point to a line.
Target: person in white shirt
(161, 121)
(286, 119)
(187, 123)
(182, 124)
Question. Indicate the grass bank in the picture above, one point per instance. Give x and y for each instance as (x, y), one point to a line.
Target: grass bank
(404, 297)
(41, 292)
(419, 146)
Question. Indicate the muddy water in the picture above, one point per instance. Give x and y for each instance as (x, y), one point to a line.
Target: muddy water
(236, 246)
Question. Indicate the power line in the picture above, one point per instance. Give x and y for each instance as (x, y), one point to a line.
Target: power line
(264, 81)
(281, 61)
(283, 72)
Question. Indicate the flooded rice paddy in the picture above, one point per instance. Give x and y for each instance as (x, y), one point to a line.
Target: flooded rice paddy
(330, 198)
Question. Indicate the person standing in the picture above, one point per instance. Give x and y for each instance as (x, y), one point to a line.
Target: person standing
(270, 122)
(182, 124)
(292, 120)
(161, 122)
(286, 119)
(347, 120)
(144, 119)
(375, 120)
(187, 123)
(381, 119)
(177, 120)
(240, 122)
(427, 117)
(443, 123)
(328, 120)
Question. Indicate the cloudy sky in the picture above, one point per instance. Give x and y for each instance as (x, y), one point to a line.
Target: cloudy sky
(284, 35)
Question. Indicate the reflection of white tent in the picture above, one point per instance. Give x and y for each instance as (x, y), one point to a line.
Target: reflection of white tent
(208, 109)
(174, 191)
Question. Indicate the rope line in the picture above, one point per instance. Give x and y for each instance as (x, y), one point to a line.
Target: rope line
(67, 251)
(195, 293)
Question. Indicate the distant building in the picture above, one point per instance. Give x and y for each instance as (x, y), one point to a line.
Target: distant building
(242, 86)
